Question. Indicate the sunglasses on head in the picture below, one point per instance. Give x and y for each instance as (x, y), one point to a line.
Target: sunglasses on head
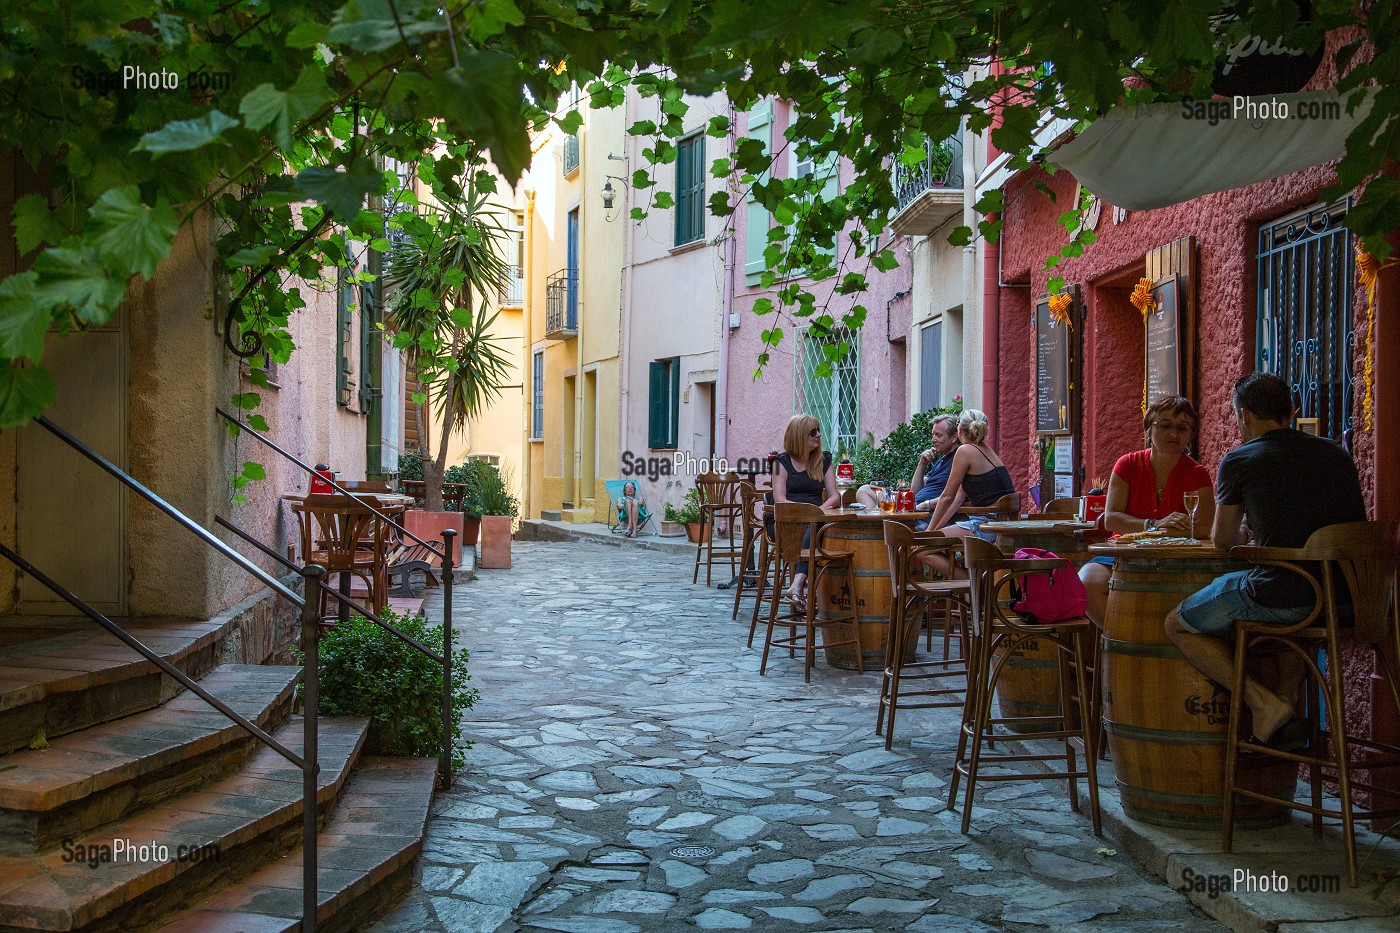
(815, 432)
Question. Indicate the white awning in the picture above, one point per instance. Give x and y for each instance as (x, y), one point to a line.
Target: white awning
(1154, 155)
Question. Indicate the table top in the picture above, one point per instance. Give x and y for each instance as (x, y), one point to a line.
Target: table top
(849, 514)
(1150, 547)
(1036, 527)
(382, 500)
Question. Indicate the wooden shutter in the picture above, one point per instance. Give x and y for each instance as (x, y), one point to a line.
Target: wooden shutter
(758, 219)
(656, 405)
(673, 408)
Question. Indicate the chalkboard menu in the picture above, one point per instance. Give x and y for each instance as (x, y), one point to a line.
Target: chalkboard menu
(1052, 348)
(1163, 341)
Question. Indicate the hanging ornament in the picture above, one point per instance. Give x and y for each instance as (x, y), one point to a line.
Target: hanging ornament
(1143, 299)
(1059, 310)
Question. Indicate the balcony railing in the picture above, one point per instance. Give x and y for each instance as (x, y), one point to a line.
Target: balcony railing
(930, 192)
(570, 154)
(561, 305)
(513, 288)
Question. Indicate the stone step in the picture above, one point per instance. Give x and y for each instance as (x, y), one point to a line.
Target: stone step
(221, 832)
(578, 516)
(365, 857)
(551, 515)
(106, 772)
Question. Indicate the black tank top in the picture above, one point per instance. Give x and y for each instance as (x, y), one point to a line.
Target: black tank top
(986, 488)
(800, 486)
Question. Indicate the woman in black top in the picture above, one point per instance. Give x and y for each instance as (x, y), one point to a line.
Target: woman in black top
(978, 478)
(804, 474)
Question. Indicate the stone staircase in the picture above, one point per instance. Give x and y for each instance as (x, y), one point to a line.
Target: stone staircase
(140, 807)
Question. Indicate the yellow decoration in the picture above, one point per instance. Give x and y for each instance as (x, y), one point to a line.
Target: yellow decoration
(1142, 297)
(1368, 273)
(1059, 310)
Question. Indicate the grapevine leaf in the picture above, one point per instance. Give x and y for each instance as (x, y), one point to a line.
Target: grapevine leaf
(130, 234)
(185, 135)
(24, 393)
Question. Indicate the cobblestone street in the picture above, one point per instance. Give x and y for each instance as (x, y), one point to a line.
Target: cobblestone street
(622, 719)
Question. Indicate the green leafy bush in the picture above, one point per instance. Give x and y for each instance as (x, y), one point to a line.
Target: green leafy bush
(689, 512)
(411, 467)
(897, 455)
(368, 671)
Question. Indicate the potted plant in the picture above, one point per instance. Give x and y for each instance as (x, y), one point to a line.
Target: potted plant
(498, 512)
(671, 524)
(689, 516)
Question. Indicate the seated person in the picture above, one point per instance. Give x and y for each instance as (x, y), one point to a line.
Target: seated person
(1147, 490)
(931, 475)
(629, 507)
(803, 474)
(977, 477)
(1287, 485)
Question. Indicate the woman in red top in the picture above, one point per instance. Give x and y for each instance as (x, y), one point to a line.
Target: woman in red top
(1147, 489)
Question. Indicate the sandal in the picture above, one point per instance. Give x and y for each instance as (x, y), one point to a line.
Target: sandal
(1293, 736)
(798, 604)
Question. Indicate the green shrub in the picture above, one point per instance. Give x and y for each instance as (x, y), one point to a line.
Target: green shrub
(368, 671)
(411, 467)
(897, 456)
(492, 496)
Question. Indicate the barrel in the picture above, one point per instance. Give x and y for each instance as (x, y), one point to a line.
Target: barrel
(1166, 723)
(1029, 685)
(866, 540)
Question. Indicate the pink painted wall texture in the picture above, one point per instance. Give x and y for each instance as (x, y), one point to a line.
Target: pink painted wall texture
(760, 408)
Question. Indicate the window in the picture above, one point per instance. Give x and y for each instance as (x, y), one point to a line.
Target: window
(513, 288)
(346, 301)
(757, 218)
(664, 404)
(537, 392)
(493, 459)
(931, 365)
(824, 172)
(834, 400)
(571, 146)
(690, 189)
(1304, 324)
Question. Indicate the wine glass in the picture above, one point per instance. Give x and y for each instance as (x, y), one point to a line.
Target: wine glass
(1192, 501)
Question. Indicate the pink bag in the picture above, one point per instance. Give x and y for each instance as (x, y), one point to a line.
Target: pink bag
(1053, 596)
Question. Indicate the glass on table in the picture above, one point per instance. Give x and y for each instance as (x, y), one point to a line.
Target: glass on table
(1192, 501)
(887, 499)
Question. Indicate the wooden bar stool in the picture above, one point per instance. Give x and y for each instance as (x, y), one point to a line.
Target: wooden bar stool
(767, 560)
(1350, 561)
(794, 519)
(913, 594)
(996, 633)
(751, 522)
(719, 499)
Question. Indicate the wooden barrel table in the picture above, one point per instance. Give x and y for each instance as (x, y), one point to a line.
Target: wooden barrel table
(863, 534)
(1029, 685)
(1166, 723)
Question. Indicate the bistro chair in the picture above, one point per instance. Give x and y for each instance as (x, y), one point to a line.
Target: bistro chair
(767, 559)
(1005, 509)
(719, 500)
(1064, 509)
(997, 633)
(913, 594)
(1347, 563)
(332, 527)
(754, 541)
(794, 519)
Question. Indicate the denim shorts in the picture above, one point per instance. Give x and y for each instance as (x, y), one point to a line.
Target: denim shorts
(1215, 609)
(974, 524)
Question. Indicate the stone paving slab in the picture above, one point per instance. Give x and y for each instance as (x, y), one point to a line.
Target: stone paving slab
(633, 772)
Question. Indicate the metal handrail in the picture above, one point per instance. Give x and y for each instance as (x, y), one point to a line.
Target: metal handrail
(444, 551)
(308, 761)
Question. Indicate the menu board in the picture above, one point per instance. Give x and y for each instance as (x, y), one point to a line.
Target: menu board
(1052, 346)
(1163, 341)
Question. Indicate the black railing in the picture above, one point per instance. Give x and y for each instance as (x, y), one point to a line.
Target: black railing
(941, 167)
(561, 302)
(310, 678)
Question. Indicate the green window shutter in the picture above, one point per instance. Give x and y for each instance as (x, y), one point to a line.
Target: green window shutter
(674, 413)
(690, 190)
(656, 405)
(756, 215)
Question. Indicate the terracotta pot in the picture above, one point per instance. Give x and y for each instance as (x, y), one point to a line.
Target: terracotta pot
(671, 529)
(471, 528)
(697, 531)
(494, 550)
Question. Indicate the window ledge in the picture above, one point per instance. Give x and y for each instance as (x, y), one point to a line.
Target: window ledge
(688, 247)
(536, 440)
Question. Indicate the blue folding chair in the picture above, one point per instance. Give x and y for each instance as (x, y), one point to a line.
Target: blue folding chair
(619, 524)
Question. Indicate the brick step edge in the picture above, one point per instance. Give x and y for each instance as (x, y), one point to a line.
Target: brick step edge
(110, 771)
(249, 816)
(365, 858)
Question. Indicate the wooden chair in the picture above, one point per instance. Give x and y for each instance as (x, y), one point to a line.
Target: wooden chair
(406, 555)
(1348, 560)
(1005, 509)
(332, 526)
(794, 519)
(751, 523)
(767, 559)
(451, 492)
(719, 500)
(997, 632)
(912, 595)
(1066, 508)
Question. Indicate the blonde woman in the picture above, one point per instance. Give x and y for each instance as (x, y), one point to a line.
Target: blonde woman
(977, 477)
(804, 474)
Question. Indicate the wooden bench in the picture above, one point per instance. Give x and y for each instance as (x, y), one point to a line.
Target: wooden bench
(408, 555)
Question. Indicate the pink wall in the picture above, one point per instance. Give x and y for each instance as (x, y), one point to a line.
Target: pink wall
(759, 409)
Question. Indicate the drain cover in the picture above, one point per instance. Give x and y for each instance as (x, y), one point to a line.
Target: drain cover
(692, 852)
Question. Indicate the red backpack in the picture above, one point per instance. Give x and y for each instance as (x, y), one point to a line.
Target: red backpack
(1053, 596)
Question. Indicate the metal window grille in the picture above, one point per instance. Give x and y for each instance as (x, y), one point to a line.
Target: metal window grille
(834, 400)
(1304, 331)
(537, 389)
(561, 302)
(571, 156)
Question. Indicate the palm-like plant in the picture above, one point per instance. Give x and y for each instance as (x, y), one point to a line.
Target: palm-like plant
(452, 255)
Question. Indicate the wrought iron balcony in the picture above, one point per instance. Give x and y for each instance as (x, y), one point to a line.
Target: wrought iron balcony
(561, 305)
(931, 192)
(513, 288)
